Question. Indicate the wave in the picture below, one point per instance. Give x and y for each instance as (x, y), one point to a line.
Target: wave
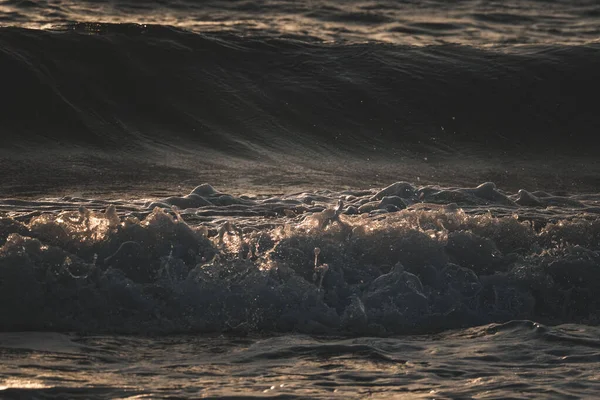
(126, 87)
(400, 260)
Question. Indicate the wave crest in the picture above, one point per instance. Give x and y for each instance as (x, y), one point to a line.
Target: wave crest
(301, 264)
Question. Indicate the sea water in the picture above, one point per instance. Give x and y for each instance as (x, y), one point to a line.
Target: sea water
(299, 199)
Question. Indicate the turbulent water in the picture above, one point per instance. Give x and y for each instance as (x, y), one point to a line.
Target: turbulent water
(352, 243)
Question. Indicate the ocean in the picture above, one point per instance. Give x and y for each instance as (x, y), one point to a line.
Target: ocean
(299, 199)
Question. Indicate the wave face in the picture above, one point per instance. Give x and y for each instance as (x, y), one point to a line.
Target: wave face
(124, 87)
(403, 259)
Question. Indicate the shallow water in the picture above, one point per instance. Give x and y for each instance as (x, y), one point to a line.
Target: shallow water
(519, 359)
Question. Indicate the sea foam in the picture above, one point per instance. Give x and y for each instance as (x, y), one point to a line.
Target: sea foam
(417, 259)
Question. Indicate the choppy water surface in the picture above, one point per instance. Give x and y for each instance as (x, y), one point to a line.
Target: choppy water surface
(468, 22)
(305, 271)
(520, 359)
(441, 266)
(402, 259)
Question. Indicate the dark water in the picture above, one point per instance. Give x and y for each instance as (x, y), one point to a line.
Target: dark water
(519, 360)
(303, 274)
(126, 87)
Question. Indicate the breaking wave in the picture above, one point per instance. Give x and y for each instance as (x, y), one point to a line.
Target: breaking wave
(400, 260)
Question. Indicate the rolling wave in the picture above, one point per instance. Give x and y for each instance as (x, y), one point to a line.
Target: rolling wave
(125, 87)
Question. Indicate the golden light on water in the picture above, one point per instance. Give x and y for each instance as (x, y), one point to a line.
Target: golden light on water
(471, 23)
(18, 383)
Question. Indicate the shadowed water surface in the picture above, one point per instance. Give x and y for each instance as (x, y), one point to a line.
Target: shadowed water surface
(519, 359)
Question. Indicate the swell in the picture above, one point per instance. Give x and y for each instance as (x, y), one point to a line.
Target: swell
(123, 87)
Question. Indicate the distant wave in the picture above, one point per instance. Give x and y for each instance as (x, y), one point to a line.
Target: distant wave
(135, 86)
(423, 22)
